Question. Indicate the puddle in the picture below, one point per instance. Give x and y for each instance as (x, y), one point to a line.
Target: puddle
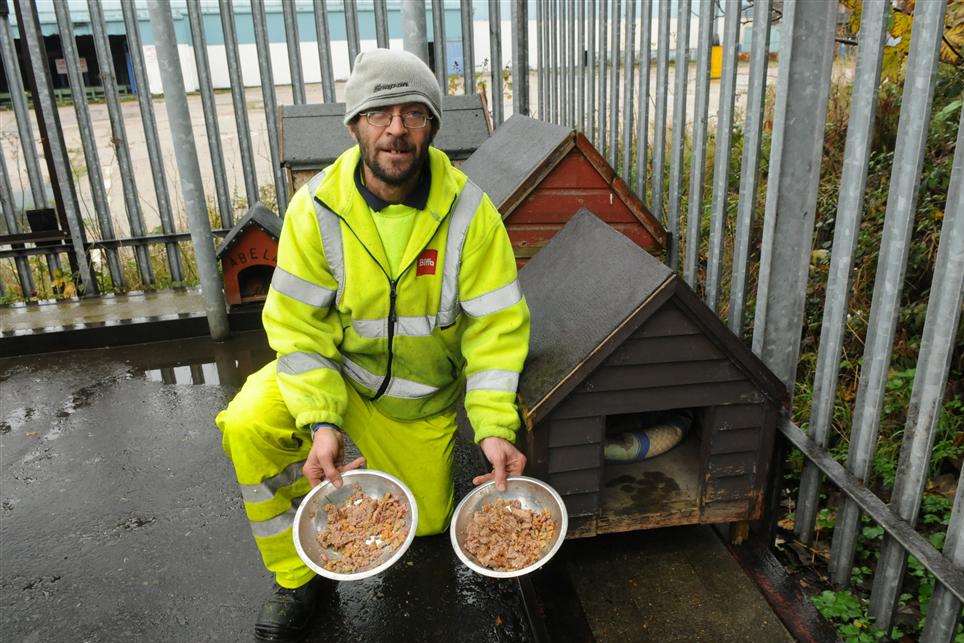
(201, 361)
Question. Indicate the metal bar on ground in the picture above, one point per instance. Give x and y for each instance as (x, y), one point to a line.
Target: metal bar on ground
(381, 24)
(944, 609)
(18, 98)
(192, 187)
(591, 72)
(642, 116)
(581, 67)
(95, 177)
(659, 127)
(680, 71)
(613, 139)
(468, 46)
(438, 31)
(603, 88)
(413, 29)
(945, 568)
(920, 74)
(351, 30)
(694, 213)
(750, 164)
(520, 57)
(243, 127)
(850, 205)
(323, 35)
(24, 276)
(927, 394)
(211, 119)
(629, 86)
(29, 25)
(154, 154)
(799, 118)
(495, 56)
(270, 102)
(721, 157)
(293, 43)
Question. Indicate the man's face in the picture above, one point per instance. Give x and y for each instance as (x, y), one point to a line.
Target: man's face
(394, 153)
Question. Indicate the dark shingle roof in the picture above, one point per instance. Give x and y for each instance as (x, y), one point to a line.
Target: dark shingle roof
(511, 155)
(582, 286)
(312, 136)
(258, 215)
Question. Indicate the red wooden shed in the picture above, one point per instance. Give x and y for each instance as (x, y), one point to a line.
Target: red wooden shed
(248, 256)
(539, 175)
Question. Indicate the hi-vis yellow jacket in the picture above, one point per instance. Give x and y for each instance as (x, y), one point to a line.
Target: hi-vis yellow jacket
(454, 315)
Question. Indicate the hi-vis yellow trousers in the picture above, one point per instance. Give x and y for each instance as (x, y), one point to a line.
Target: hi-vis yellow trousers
(268, 451)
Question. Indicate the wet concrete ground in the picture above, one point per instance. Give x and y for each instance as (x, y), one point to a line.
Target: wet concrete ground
(121, 519)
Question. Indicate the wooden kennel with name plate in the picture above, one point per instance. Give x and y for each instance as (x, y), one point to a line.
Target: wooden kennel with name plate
(617, 335)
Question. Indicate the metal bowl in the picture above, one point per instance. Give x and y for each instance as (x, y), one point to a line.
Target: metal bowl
(311, 518)
(535, 495)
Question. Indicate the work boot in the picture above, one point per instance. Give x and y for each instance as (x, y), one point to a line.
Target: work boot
(285, 614)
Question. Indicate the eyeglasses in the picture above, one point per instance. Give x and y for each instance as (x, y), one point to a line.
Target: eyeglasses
(411, 120)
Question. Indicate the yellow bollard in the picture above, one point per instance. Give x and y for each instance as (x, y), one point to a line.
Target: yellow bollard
(716, 61)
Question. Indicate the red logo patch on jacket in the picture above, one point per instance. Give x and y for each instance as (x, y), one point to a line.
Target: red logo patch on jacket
(426, 263)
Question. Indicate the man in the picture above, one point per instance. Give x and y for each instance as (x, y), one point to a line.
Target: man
(395, 290)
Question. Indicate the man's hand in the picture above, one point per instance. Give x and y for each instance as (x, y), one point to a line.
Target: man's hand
(506, 461)
(323, 458)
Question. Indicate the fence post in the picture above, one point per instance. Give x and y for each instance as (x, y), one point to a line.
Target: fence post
(694, 214)
(61, 176)
(721, 157)
(293, 45)
(944, 609)
(468, 46)
(495, 60)
(895, 242)
(520, 57)
(324, 51)
(642, 102)
(6, 205)
(238, 100)
(930, 379)
(413, 28)
(381, 25)
(850, 203)
(263, 48)
(680, 70)
(659, 128)
(192, 187)
(438, 31)
(799, 117)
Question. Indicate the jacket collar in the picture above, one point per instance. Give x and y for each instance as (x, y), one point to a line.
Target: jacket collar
(340, 194)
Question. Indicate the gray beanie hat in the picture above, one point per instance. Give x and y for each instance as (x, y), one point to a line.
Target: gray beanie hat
(384, 77)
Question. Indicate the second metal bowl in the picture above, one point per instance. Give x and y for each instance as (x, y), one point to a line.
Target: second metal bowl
(535, 495)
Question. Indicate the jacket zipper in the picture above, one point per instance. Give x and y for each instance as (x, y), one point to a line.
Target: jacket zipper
(393, 296)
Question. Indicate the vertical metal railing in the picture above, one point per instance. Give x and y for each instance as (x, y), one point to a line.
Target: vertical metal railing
(629, 79)
(351, 28)
(293, 43)
(721, 163)
(438, 31)
(642, 101)
(659, 127)
(468, 45)
(601, 112)
(495, 58)
(381, 23)
(679, 129)
(891, 266)
(270, 103)
(590, 107)
(242, 125)
(694, 213)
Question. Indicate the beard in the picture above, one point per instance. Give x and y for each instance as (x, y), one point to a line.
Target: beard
(392, 173)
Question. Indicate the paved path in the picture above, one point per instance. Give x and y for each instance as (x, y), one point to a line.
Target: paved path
(120, 519)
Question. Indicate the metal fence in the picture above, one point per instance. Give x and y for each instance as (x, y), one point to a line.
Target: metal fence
(592, 61)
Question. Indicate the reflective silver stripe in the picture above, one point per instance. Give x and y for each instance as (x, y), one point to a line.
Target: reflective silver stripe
(273, 526)
(407, 326)
(295, 363)
(461, 216)
(493, 380)
(330, 228)
(493, 302)
(398, 387)
(300, 289)
(267, 488)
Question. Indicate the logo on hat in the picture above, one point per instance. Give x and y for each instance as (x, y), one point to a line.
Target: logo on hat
(381, 87)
